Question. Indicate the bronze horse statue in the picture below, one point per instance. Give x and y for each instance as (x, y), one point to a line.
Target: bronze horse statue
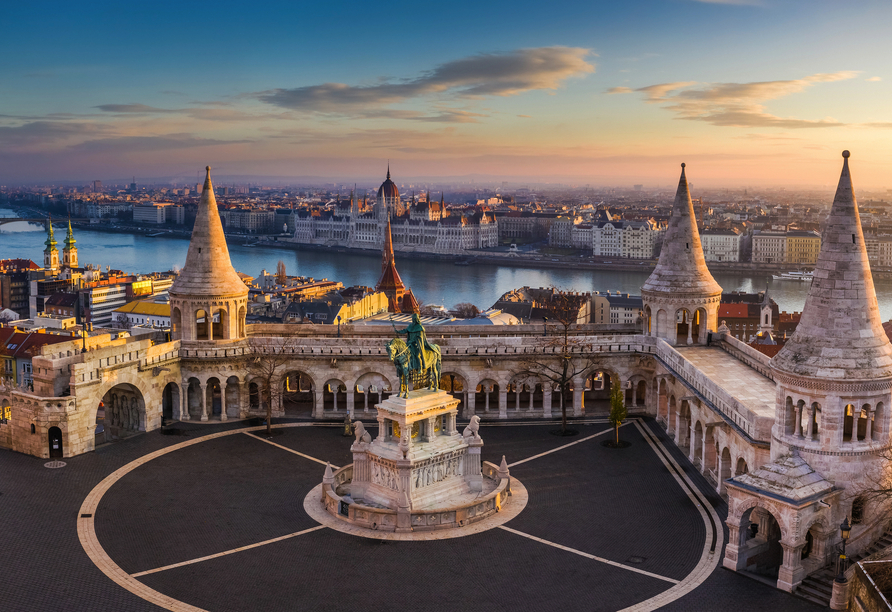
(399, 354)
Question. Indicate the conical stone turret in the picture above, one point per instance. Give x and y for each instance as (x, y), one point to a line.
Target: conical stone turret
(834, 374)
(680, 296)
(208, 283)
(840, 334)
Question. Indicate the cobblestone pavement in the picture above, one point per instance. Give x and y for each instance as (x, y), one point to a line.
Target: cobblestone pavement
(618, 505)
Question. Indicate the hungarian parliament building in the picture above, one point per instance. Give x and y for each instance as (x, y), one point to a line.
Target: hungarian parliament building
(425, 226)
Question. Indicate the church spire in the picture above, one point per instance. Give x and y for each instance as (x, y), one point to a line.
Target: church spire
(840, 334)
(50, 236)
(69, 238)
(388, 169)
(387, 258)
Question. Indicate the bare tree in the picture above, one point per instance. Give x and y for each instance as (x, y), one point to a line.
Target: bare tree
(466, 310)
(618, 411)
(123, 321)
(564, 354)
(272, 354)
(281, 277)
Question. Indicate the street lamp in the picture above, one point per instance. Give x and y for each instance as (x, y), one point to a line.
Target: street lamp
(339, 326)
(545, 326)
(844, 529)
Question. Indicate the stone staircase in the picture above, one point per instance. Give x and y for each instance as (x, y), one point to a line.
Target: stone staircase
(818, 587)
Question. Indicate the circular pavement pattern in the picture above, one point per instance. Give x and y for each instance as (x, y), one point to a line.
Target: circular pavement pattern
(220, 522)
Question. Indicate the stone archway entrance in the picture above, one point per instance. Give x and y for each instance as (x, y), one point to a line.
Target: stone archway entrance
(125, 411)
(170, 401)
(760, 551)
(298, 395)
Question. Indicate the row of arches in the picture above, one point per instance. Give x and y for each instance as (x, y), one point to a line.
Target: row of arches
(864, 424)
(683, 326)
(211, 323)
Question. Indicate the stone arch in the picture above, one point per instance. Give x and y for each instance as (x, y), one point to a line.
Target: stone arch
(176, 322)
(254, 402)
(647, 321)
(241, 322)
(879, 423)
(697, 445)
(683, 319)
(194, 401)
(741, 467)
(522, 392)
(369, 390)
(220, 321)
(725, 472)
(213, 390)
(233, 396)
(201, 321)
(863, 425)
(662, 324)
(456, 385)
(486, 396)
(298, 393)
(759, 534)
(683, 424)
(672, 418)
(848, 422)
(700, 326)
(122, 410)
(334, 396)
(789, 419)
(596, 389)
(170, 401)
(662, 401)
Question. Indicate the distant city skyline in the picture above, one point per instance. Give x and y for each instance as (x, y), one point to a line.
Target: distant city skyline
(746, 92)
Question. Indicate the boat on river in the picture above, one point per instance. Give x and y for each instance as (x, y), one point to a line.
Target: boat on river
(796, 276)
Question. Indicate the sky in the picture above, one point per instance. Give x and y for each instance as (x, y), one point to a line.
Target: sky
(746, 92)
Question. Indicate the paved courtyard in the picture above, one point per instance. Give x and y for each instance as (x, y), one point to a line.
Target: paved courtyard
(604, 529)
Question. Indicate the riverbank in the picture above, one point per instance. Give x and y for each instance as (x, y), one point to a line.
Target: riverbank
(523, 259)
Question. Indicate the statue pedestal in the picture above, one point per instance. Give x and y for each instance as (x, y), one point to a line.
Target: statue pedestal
(418, 459)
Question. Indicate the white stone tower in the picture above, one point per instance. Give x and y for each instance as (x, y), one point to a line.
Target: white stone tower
(208, 300)
(835, 374)
(681, 299)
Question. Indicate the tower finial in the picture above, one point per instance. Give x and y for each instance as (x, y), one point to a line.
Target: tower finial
(388, 169)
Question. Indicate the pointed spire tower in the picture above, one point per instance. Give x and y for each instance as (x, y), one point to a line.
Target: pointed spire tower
(208, 283)
(399, 299)
(51, 252)
(681, 299)
(835, 373)
(69, 251)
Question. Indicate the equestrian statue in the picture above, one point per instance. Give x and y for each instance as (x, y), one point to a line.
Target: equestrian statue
(417, 360)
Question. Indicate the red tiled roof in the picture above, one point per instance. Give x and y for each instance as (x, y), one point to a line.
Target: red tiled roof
(733, 311)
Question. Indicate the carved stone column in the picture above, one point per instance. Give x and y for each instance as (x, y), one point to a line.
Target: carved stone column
(546, 401)
(223, 401)
(470, 407)
(791, 572)
(503, 404)
(204, 401)
(350, 402)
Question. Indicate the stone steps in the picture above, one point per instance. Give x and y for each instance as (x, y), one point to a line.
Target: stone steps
(818, 586)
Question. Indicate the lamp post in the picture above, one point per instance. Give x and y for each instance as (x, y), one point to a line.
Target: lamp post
(339, 326)
(545, 326)
(844, 529)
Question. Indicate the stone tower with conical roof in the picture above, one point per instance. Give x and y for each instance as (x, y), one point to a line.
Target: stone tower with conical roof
(681, 299)
(834, 375)
(208, 300)
(51, 252)
(69, 251)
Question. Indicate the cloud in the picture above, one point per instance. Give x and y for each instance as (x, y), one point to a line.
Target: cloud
(44, 132)
(133, 109)
(619, 90)
(508, 74)
(875, 79)
(525, 116)
(738, 104)
(137, 144)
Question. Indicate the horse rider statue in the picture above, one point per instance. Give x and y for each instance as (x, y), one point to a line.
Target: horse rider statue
(421, 357)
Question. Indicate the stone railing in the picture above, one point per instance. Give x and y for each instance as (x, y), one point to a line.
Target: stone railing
(760, 362)
(734, 412)
(383, 519)
(433, 331)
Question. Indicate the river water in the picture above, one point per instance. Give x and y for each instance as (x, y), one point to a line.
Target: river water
(446, 284)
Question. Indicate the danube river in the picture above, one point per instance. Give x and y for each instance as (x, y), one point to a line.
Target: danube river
(446, 284)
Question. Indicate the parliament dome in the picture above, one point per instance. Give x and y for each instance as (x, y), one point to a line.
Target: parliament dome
(388, 188)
